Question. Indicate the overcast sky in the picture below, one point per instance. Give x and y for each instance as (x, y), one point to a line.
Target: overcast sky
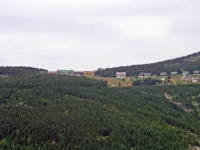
(88, 34)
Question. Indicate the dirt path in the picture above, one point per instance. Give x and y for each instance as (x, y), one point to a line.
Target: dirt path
(170, 98)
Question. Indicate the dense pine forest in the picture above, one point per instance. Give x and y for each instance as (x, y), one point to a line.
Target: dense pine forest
(9, 70)
(41, 111)
(189, 63)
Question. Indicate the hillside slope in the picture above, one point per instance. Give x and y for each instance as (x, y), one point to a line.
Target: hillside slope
(189, 63)
(41, 111)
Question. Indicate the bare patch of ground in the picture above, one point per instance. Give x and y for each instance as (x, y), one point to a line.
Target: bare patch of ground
(195, 148)
(170, 98)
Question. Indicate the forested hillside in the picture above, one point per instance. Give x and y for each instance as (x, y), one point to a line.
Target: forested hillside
(41, 111)
(8, 70)
(189, 63)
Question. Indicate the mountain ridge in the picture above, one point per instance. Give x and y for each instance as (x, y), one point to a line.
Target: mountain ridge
(190, 62)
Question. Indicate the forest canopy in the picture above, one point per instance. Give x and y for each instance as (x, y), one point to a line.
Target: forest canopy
(9, 70)
(189, 63)
(42, 111)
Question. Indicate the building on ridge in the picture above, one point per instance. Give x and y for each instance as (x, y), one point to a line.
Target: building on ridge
(163, 74)
(144, 75)
(120, 75)
(185, 73)
(174, 73)
(196, 72)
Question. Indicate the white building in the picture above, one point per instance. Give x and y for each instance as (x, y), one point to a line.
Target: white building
(120, 75)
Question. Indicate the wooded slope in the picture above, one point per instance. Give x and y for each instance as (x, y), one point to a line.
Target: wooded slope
(186, 63)
(41, 111)
(9, 70)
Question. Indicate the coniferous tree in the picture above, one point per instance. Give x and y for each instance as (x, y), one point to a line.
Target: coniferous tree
(92, 115)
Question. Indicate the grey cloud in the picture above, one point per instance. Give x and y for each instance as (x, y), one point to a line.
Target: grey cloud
(73, 36)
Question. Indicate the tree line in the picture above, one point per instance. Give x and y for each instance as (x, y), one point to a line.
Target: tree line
(189, 63)
(9, 70)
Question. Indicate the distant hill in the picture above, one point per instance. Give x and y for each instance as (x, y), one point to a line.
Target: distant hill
(189, 63)
(8, 70)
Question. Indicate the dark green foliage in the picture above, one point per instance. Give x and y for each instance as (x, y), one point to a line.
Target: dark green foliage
(146, 81)
(190, 63)
(19, 70)
(40, 111)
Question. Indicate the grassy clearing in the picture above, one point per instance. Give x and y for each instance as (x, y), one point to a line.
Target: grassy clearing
(178, 80)
(115, 82)
(175, 79)
(112, 81)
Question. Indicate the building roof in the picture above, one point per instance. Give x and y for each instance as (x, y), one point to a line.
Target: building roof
(174, 73)
(64, 71)
(145, 74)
(186, 72)
(163, 73)
(196, 72)
(120, 74)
